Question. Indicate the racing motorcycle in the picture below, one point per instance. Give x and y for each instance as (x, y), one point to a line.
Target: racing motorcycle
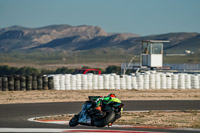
(90, 116)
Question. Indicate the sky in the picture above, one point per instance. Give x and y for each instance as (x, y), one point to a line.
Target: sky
(143, 17)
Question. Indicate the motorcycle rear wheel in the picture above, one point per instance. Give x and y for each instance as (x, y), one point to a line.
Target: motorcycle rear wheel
(108, 118)
(74, 121)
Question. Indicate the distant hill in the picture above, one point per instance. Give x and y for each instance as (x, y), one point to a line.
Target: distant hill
(81, 38)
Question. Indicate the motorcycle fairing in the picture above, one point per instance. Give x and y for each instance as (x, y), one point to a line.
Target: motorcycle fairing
(84, 118)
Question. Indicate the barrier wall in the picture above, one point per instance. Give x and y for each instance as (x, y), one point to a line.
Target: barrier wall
(22, 83)
(150, 80)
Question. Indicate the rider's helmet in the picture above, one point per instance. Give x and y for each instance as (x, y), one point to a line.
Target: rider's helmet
(112, 95)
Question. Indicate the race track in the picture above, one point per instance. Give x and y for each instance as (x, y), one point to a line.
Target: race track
(16, 115)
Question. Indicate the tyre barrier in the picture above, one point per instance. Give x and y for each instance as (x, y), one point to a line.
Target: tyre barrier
(150, 80)
(26, 83)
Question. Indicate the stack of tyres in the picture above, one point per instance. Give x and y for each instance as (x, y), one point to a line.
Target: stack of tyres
(181, 81)
(163, 81)
(34, 84)
(111, 82)
(50, 83)
(28, 83)
(67, 81)
(39, 83)
(106, 79)
(61, 82)
(22, 83)
(17, 83)
(146, 81)
(128, 82)
(152, 81)
(140, 81)
(100, 82)
(11, 83)
(169, 81)
(187, 81)
(123, 82)
(199, 80)
(134, 82)
(45, 83)
(175, 81)
(73, 82)
(195, 82)
(78, 82)
(157, 81)
(90, 77)
(84, 82)
(117, 82)
(95, 82)
(5, 83)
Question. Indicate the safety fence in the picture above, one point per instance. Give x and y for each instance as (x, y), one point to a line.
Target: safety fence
(149, 80)
(23, 83)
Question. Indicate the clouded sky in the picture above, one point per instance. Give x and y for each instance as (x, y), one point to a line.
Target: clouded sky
(144, 17)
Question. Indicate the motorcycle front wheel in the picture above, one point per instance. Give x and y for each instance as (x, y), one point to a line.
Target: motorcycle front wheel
(74, 121)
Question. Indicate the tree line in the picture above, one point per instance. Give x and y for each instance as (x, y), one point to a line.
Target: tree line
(6, 70)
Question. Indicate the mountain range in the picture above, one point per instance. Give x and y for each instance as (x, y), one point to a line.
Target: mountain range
(81, 38)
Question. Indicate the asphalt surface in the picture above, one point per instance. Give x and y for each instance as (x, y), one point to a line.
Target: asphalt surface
(16, 115)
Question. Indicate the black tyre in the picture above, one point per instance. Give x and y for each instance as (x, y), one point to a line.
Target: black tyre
(108, 118)
(74, 121)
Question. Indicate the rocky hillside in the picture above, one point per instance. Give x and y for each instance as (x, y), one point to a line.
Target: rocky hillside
(73, 38)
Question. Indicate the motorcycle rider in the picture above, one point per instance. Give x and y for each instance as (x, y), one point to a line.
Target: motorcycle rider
(108, 99)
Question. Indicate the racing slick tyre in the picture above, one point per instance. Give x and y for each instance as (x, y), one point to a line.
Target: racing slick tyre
(108, 118)
(74, 121)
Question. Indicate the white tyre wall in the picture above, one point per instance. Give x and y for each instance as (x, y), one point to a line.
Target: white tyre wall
(149, 80)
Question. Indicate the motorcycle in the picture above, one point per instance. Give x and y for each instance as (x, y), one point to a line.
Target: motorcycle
(90, 116)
